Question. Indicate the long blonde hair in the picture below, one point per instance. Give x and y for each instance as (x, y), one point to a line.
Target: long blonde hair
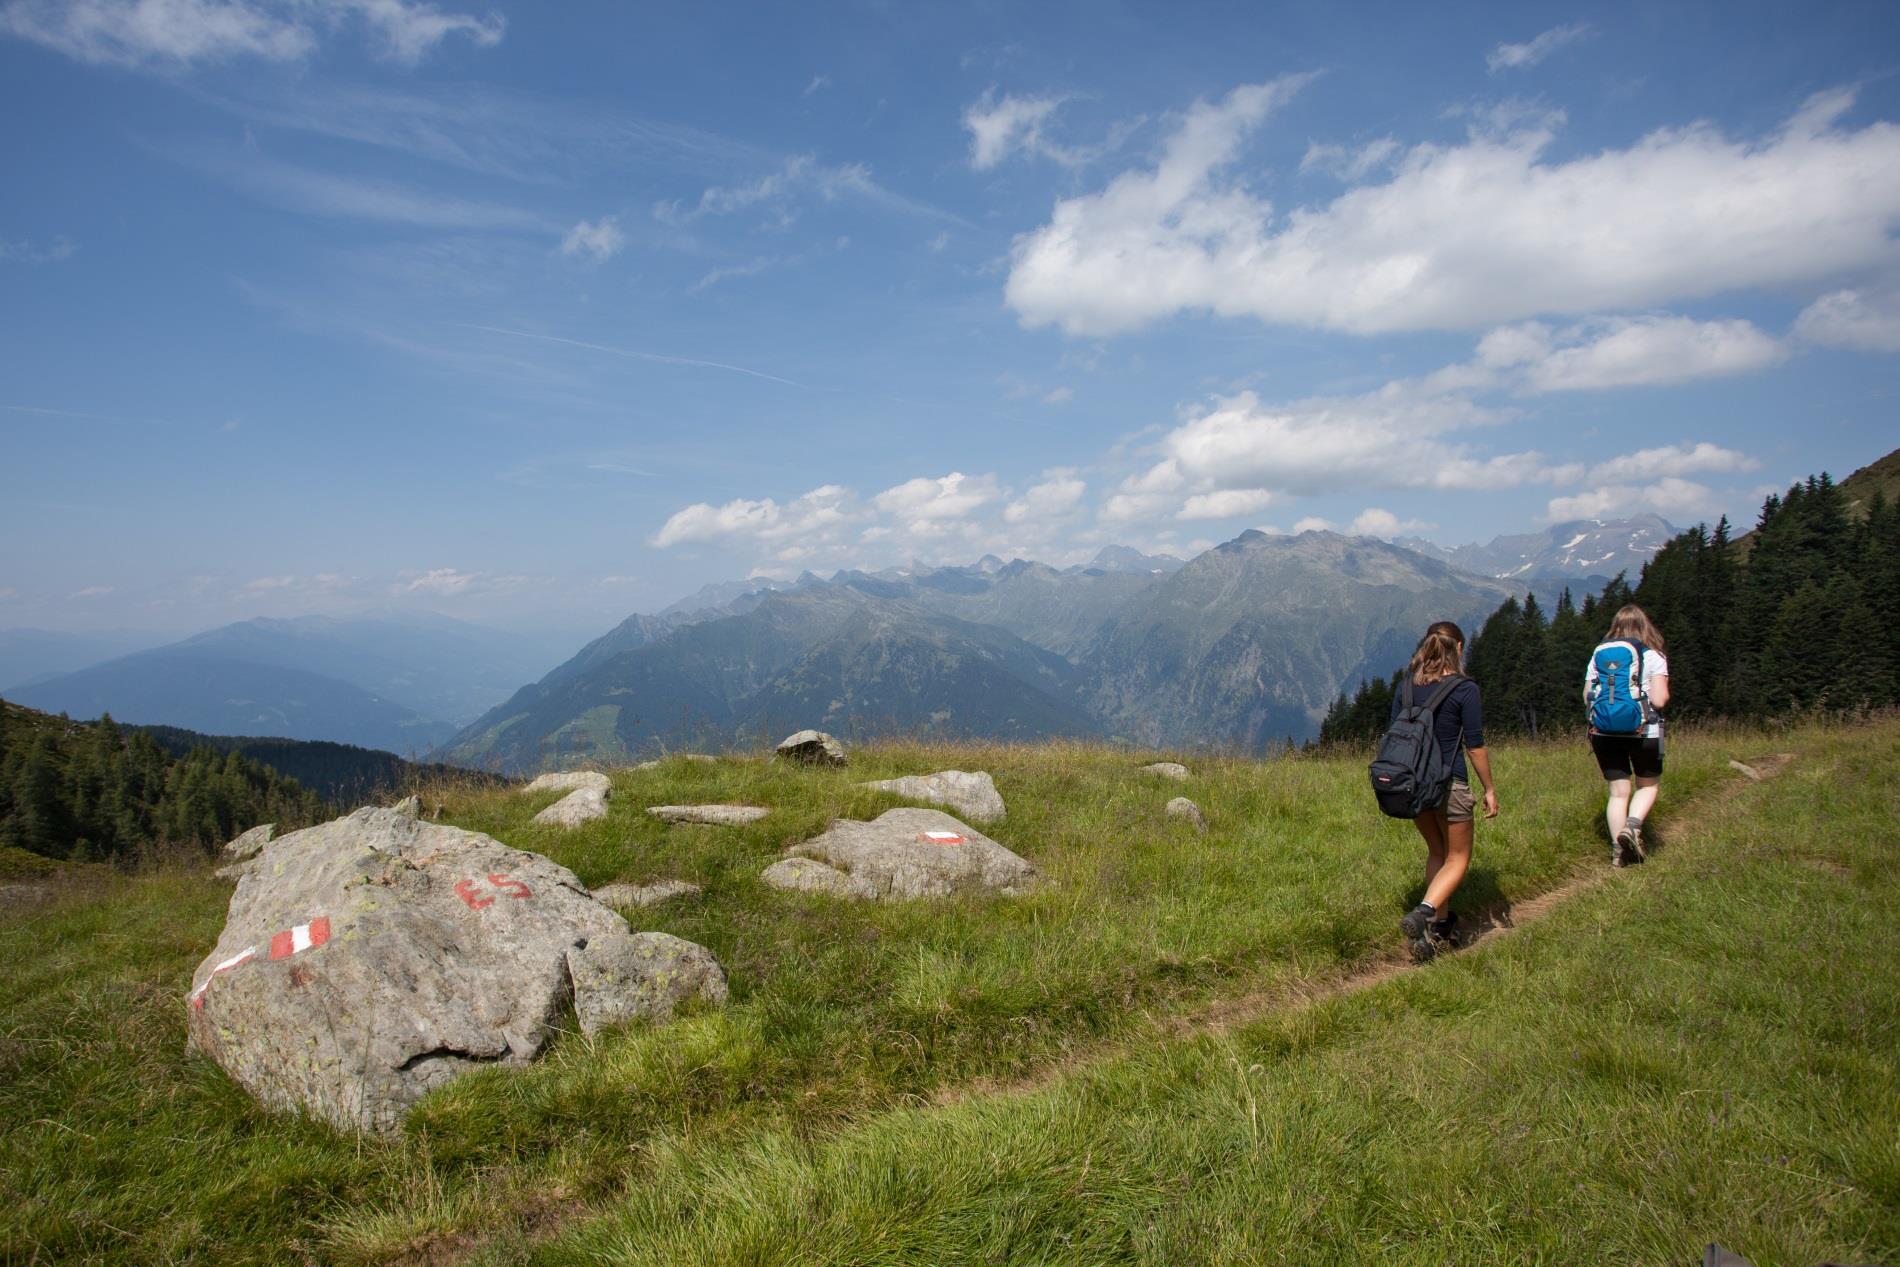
(1632, 624)
(1438, 654)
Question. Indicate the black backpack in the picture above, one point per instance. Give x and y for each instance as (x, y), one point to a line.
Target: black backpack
(1410, 773)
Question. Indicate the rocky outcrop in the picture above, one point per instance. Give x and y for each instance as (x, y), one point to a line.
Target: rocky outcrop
(248, 843)
(810, 747)
(1188, 812)
(1168, 770)
(368, 961)
(569, 781)
(636, 895)
(972, 794)
(583, 805)
(712, 815)
(408, 806)
(903, 853)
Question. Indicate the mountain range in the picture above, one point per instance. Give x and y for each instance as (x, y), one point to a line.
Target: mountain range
(399, 682)
(1244, 645)
(1579, 549)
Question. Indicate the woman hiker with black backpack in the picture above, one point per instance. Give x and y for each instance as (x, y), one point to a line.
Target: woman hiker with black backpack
(1625, 687)
(1458, 726)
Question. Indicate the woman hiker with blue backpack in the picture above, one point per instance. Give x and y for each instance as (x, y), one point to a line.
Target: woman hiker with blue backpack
(1420, 773)
(1625, 688)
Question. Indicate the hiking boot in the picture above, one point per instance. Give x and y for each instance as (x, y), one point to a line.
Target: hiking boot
(1445, 931)
(1623, 852)
(1637, 846)
(1416, 928)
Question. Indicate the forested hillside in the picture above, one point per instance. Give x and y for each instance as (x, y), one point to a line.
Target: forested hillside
(342, 774)
(1806, 618)
(94, 791)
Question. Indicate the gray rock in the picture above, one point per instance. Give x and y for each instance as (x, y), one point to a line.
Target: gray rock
(1168, 770)
(247, 844)
(369, 960)
(809, 876)
(582, 805)
(971, 794)
(812, 747)
(1182, 808)
(235, 870)
(569, 781)
(696, 757)
(715, 815)
(410, 806)
(904, 853)
(626, 895)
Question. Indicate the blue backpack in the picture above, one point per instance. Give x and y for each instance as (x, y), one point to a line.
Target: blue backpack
(1618, 705)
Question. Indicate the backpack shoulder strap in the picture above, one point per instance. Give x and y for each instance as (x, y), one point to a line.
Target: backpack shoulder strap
(1445, 688)
(1405, 696)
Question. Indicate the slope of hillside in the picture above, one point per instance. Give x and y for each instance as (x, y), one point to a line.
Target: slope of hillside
(1250, 642)
(217, 695)
(345, 776)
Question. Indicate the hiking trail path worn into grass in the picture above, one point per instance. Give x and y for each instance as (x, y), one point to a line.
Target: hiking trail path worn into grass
(549, 1218)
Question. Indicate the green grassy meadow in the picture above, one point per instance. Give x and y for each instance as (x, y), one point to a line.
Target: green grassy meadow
(1701, 1048)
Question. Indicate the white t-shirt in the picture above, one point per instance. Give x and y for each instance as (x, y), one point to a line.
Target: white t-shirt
(1655, 665)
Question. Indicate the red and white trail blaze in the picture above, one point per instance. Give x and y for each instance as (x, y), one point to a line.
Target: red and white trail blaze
(281, 946)
(940, 838)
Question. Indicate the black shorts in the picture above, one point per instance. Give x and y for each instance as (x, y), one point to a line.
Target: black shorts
(1620, 756)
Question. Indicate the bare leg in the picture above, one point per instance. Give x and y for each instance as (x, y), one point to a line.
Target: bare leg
(1431, 825)
(1451, 871)
(1644, 798)
(1618, 811)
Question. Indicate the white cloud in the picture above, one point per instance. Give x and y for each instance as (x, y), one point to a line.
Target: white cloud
(1225, 504)
(1058, 396)
(92, 591)
(1671, 497)
(1863, 319)
(817, 513)
(183, 32)
(1350, 165)
(1466, 236)
(1533, 51)
(1057, 495)
(1313, 523)
(312, 192)
(600, 238)
(922, 501)
(443, 581)
(939, 242)
(1375, 521)
(59, 249)
(1000, 128)
(1673, 460)
(1649, 351)
(818, 83)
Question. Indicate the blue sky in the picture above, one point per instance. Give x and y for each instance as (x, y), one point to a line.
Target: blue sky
(545, 314)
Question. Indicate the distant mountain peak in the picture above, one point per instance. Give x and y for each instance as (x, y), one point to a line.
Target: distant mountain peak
(1117, 558)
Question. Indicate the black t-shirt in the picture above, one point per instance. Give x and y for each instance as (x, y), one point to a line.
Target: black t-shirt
(1460, 715)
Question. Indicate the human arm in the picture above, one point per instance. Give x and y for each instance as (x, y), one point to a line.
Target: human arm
(1657, 689)
(1481, 766)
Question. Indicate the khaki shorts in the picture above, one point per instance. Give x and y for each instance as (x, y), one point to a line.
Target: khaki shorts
(1459, 803)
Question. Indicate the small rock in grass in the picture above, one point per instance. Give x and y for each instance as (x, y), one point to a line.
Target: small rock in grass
(625, 895)
(904, 853)
(1168, 770)
(568, 781)
(811, 747)
(409, 807)
(971, 794)
(712, 815)
(1187, 811)
(698, 757)
(811, 876)
(581, 806)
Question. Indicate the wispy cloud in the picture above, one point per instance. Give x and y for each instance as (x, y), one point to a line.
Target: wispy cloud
(800, 177)
(60, 248)
(188, 32)
(818, 84)
(600, 238)
(636, 355)
(1533, 51)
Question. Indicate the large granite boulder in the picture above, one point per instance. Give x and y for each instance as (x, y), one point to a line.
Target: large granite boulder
(711, 815)
(582, 805)
(810, 747)
(368, 961)
(568, 781)
(972, 794)
(902, 853)
(1168, 770)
